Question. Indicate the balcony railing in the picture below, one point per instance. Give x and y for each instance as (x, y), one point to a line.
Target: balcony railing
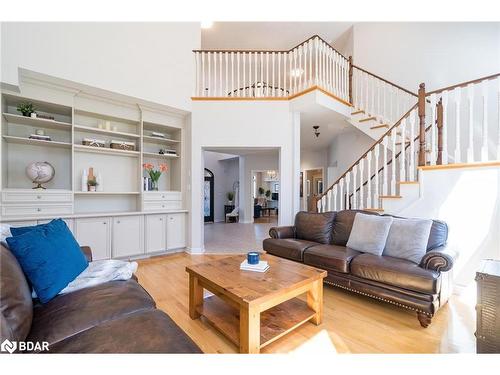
(255, 74)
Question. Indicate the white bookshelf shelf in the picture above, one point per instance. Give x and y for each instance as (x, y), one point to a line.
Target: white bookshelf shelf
(107, 192)
(89, 129)
(35, 142)
(37, 122)
(159, 156)
(149, 139)
(106, 151)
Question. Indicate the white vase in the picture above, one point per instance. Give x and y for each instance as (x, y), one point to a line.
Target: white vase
(92, 188)
(85, 180)
(99, 182)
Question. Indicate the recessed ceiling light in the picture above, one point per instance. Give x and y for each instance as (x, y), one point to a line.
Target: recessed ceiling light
(206, 24)
(296, 72)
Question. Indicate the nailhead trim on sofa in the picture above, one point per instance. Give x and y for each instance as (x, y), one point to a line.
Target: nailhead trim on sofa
(379, 298)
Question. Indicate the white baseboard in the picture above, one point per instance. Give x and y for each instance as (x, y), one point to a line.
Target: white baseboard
(195, 250)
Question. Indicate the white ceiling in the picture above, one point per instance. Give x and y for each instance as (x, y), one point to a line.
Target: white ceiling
(330, 124)
(268, 35)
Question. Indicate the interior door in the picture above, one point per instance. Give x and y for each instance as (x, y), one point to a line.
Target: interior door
(208, 196)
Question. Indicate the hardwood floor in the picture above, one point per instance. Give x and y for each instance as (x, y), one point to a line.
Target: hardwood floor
(351, 323)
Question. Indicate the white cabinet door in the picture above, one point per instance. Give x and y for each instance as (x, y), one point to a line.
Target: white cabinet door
(128, 236)
(156, 233)
(176, 231)
(96, 233)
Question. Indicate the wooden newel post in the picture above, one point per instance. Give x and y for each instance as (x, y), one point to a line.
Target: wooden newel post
(421, 116)
(439, 124)
(350, 80)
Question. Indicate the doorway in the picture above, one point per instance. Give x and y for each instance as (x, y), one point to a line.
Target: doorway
(208, 196)
(314, 182)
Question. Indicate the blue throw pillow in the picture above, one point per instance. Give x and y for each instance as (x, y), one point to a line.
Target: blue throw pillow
(17, 231)
(49, 256)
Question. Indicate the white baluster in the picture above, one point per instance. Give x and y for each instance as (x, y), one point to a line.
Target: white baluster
(341, 196)
(484, 147)
(354, 183)
(300, 51)
(203, 75)
(433, 130)
(411, 167)
(373, 112)
(197, 64)
(470, 148)
(361, 182)
(214, 89)
(295, 87)
(377, 182)
(458, 156)
(209, 77)
(245, 85)
(402, 160)
(334, 197)
(262, 74)
(329, 200)
(226, 55)
(316, 60)
(238, 74)
(369, 178)
(221, 93)
(323, 203)
(290, 73)
(445, 128)
(498, 117)
(318, 205)
(267, 74)
(385, 181)
(232, 74)
(272, 64)
(393, 165)
(284, 73)
(347, 186)
(280, 92)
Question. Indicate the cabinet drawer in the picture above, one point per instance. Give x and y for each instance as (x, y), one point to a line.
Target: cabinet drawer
(162, 196)
(162, 205)
(35, 196)
(36, 210)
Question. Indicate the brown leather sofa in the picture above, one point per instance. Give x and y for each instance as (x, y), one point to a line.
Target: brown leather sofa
(320, 240)
(114, 317)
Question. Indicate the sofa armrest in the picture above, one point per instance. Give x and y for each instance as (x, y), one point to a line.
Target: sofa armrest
(439, 259)
(282, 232)
(87, 252)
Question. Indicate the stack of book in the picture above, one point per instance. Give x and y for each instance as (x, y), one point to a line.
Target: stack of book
(262, 266)
(40, 137)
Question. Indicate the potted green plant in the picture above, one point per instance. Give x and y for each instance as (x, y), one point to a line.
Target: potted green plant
(268, 194)
(26, 108)
(92, 184)
(261, 191)
(230, 197)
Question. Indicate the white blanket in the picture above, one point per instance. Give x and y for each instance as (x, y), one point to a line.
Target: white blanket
(98, 272)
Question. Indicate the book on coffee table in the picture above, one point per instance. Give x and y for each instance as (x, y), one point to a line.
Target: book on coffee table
(262, 266)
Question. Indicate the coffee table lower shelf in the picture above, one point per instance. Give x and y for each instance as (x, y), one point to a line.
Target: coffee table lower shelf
(274, 323)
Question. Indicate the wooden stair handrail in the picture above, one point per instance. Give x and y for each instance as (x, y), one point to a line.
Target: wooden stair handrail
(385, 80)
(370, 149)
(270, 51)
(463, 84)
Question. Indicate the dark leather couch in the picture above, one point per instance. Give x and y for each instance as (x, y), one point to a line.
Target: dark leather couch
(319, 240)
(114, 317)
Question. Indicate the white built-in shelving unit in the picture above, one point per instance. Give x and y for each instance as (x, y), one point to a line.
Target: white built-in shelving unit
(81, 112)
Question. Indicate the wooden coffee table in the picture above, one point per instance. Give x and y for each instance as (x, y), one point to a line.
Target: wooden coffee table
(254, 309)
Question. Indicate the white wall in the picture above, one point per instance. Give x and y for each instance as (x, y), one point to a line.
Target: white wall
(439, 54)
(152, 61)
(469, 201)
(225, 173)
(243, 124)
(344, 150)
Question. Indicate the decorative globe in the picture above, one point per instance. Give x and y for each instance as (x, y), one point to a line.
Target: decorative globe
(40, 172)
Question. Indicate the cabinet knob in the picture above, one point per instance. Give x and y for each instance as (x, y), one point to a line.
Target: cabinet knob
(118, 222)
(104, 222)
(162, 206)
(163, 196)
(161, 219)
(39, 209)
(38, 197)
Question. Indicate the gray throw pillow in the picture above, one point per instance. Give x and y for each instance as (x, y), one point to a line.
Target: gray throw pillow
(369, 233)
(408, 238)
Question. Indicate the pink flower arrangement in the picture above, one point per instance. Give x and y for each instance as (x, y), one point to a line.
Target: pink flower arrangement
(155, 174)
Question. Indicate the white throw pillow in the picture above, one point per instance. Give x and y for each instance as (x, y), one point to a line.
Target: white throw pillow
(4, 233)
(408, 239)
(369, 233)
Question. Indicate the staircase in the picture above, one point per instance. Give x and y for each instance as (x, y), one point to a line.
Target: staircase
(454, 125)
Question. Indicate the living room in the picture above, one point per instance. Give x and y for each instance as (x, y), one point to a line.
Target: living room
(189, 182)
